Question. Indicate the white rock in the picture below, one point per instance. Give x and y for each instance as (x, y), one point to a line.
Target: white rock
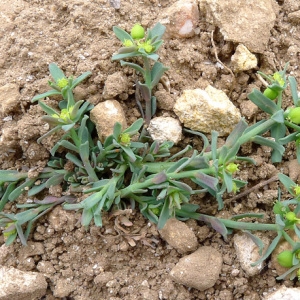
(243, 59)
(284, 293)
(165, 129)
(246, 22)
(247, 253)
(181, 19)
(207, 110)
(105, 115)
(16, 284)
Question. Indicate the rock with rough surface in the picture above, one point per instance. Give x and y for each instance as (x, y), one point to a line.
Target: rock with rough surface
(105, 115)
(115, 84)
(19, 285)
(9, 99)
(165, 129)
(284, 293)
(179, 235)
(199, 270)
(181, 19)
(247, 253)
(246, 22)
(243, 59)
(207, 110)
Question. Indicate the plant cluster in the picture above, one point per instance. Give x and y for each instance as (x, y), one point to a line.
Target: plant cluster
(126, 171)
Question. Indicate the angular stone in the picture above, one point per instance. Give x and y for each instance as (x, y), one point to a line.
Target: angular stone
(105, 115)
(19, 285)
(246, 22)
(247, 253)
(181, 19)
(284, 293)
(207, 110)
(165, 129)
(199, 270)
(9, 99)
(179, 236)
(243, 59)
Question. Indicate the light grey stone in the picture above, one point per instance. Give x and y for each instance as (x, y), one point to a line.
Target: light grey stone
(207, 110)
(246, 22)
(199, 270)
(165, 129)
(19, 285)
(284, 293)
(247, 253)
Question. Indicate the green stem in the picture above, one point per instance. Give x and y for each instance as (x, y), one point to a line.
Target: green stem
(292, 125)
(147, 78)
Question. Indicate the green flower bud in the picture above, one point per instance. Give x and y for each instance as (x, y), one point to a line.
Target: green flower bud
(137, 32)
(63, 82)
(294, 115)
(271, 94)
(285, 258)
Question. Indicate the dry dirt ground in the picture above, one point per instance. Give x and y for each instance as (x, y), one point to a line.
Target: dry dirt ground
(78, 36)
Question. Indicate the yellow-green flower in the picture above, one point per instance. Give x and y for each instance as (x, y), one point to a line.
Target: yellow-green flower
(64, 114)
(127, 43)
(146, 46)
(279, 78)
(12, 231)
(125, 139)
(232, 168)
(63, 82)
(296, 189)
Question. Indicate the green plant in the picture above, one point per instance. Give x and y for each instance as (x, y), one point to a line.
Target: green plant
(137, 45)
(122, 171)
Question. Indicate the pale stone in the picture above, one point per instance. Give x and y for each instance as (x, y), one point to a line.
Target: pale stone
(248, 253)
(105, 115)
(165, 129)
(243, 59)
(207, 110)
(199, 270)
(178, 235)
(19, 285)
(284, 293)
(9, 99)
(181, 19)
(246, 22)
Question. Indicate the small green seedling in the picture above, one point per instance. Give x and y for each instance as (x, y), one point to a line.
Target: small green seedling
(137, 44)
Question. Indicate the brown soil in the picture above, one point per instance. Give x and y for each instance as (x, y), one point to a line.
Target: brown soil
(108, 263)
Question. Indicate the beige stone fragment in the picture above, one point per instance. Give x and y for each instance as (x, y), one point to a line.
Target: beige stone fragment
(165, 129)
(207, 110)
(284, 293)
(181, 19)
(115, 84)
(19, 285)
(199, 270)
(105, 115)
(9, 99)
(179, 236)
(243, 59)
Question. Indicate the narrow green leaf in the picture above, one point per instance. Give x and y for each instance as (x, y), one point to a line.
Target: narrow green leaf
(294, 91)
(49, 110)
(134, 66)
(122, 35)
(80, 78)
(44, 95)
(263, 102)
(56, 72)
(157, 71)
